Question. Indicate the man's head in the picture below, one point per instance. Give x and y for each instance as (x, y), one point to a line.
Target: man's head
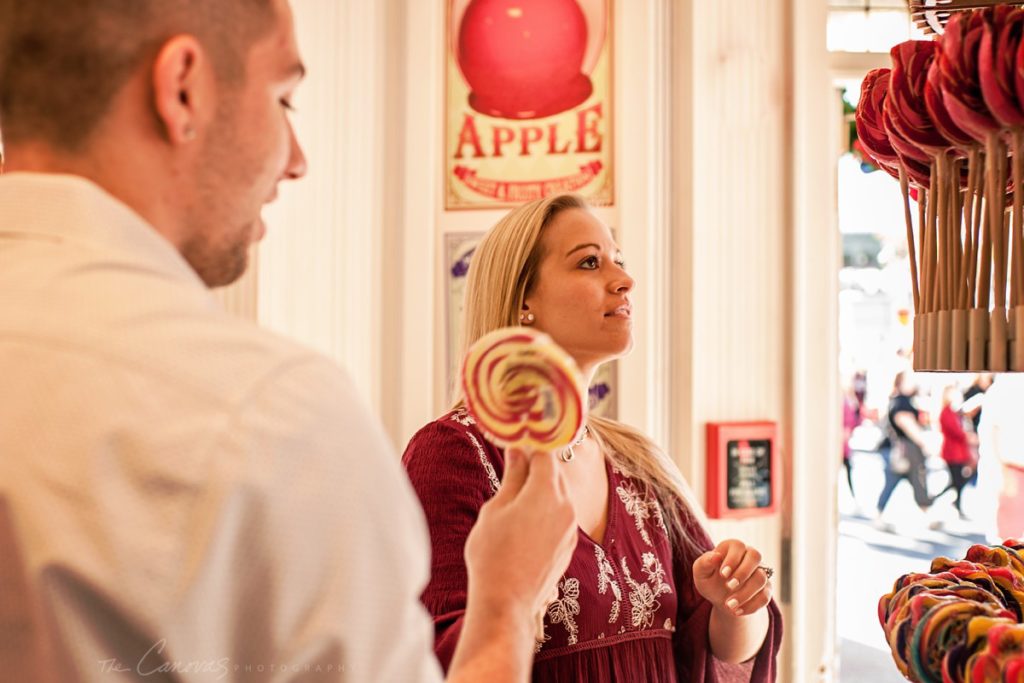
(177, 107)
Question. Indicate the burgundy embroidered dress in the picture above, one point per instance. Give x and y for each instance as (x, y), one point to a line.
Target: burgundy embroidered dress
(626, 609)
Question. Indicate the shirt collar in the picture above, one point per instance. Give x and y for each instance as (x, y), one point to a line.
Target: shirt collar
(73, 208)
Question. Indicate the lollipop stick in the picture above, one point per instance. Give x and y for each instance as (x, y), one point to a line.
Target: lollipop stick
(955, 233)
(922, 236)
(994, 228)
(932, 241)
(938, 175)
(1017, 279)
(940, 187)
(996, 158)
(985, 275)
(977, 321)
(922, 316)
(905, 191)
(1017, 238)
(977, 201)
(964, 295)
(931, 318)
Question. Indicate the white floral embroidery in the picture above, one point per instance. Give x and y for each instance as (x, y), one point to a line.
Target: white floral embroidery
(636, 507)
(463, 417)
(655, 574)
(659, 515)
(643, 597)
(492, 476)
(566, 608)
(605, 580)
(641, 507)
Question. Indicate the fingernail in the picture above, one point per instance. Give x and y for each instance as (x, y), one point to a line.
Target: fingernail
(738, 613)
(726, 571)
(731, 603)
(731, 584)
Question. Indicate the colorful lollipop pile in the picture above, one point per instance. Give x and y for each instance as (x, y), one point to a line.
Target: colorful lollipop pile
(962, 621)
(947, 120)
(523, 390)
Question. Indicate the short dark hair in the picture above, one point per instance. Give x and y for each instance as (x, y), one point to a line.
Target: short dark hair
(63, 61)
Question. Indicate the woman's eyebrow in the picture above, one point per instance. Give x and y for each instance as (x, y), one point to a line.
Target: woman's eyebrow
(583, 246)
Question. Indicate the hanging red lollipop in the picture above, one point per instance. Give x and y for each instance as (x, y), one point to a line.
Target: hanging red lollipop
(961, 93)
(961, 86)
(873, 137)
(914, 135)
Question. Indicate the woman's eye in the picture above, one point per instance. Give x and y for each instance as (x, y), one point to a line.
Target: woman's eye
(287, 105)
(590, 263)
(621, 263)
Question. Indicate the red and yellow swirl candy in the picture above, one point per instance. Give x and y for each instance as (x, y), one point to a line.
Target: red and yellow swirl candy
(523, 390)
(961, 622)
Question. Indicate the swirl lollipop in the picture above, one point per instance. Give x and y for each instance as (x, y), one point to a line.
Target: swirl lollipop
(523, 390)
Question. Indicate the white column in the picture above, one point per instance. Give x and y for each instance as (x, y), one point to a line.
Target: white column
(814, 296)
(642, 31)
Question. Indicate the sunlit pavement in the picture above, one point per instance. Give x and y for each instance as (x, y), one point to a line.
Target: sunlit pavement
(871, 558)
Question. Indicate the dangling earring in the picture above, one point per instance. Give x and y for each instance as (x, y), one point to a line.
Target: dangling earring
(526, 318)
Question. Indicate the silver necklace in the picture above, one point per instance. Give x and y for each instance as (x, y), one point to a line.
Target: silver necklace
(568, 454)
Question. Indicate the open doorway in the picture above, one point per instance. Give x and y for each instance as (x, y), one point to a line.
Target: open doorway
(884, 529)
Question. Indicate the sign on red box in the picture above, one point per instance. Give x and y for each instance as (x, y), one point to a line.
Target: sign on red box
(742, 469)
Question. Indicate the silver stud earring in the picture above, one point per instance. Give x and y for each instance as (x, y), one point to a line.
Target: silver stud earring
(526, 318)
(189, 133)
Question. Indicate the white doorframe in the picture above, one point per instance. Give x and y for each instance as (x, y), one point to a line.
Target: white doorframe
(812, 523)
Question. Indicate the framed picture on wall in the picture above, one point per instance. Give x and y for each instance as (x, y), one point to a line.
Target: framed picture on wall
(459, 248)
(529, 101)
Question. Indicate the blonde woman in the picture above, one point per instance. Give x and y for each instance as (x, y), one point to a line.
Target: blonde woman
(646, 596)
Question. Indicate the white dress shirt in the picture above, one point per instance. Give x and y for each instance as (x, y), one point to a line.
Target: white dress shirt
(183, 496)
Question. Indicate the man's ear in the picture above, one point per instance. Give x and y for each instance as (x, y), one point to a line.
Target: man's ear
(179, 95)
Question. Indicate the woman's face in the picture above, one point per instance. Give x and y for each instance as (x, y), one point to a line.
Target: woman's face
(581, 294)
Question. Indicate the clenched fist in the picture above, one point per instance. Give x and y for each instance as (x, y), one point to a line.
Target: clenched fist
(729, 578)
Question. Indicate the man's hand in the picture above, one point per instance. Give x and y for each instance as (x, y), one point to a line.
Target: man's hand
(524, 537)
(520, 546)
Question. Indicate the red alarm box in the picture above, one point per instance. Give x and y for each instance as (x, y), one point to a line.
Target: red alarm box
(742, 469)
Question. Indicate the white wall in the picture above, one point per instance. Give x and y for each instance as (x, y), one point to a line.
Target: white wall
(321, 264)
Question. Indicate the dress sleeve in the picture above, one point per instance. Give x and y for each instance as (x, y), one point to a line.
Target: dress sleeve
(694, 659)
(453, 471)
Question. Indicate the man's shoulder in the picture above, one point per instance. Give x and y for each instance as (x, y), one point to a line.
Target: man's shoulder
(187, 345)
(237, 360)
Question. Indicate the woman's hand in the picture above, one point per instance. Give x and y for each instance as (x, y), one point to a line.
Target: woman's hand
(729, 578)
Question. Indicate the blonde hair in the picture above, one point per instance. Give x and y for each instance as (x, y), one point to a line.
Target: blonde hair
(501, 274)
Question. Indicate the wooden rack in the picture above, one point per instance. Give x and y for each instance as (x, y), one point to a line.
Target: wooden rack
(931, 15)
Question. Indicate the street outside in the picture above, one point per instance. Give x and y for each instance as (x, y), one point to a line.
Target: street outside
(872, 555)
